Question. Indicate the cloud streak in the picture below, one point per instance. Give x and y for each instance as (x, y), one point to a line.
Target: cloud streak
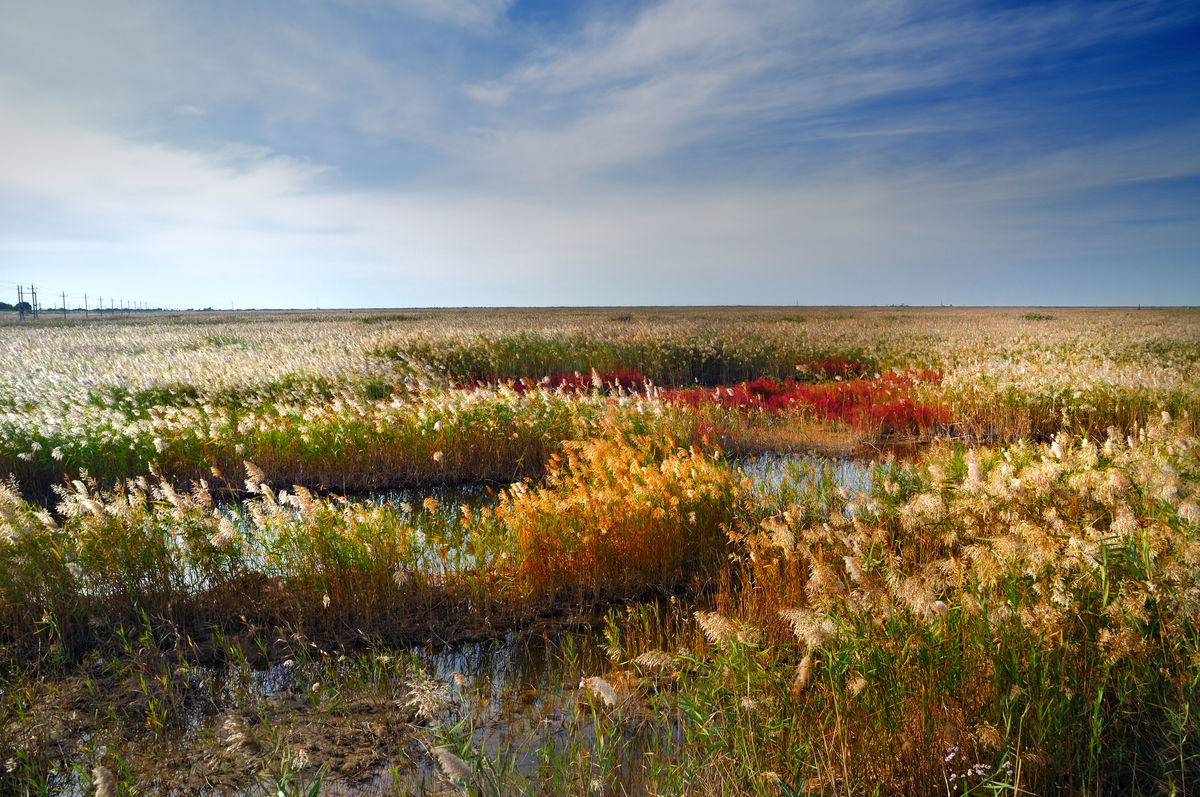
(700, 151)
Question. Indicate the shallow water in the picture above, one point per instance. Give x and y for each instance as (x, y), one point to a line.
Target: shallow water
(769, 471)
(470, 494)
(515, 700)
(510, 700)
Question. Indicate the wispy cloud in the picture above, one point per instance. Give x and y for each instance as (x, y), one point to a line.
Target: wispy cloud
(461, 12)
(684, 150)
(685, 71)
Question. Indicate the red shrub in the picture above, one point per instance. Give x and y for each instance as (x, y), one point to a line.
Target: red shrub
(883, 403)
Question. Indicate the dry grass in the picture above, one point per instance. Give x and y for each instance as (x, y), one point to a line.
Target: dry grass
(328, 400)
(1017, 618)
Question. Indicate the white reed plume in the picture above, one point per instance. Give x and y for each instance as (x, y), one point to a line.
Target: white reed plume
(426, 696)
(102, 779)
(722, 631)
(225, 533)
(455, 768)
(803, 677)
(600, 688)
(658, 660)
(810, 628)
(852, 569)
(255, 478)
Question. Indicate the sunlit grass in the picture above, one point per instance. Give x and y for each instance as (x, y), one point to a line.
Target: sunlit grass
(986, 621)
(1013, 611)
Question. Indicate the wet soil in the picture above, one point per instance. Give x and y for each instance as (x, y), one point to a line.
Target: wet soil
(264, 709)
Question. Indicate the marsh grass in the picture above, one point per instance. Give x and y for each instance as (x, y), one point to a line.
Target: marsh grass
(347, 445)
(619, 514)
(330, 403)
(1010, 621)
(1015, 617)
(705, 357)
(985, 411)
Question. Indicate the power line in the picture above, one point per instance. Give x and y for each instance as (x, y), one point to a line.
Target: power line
(28, 303)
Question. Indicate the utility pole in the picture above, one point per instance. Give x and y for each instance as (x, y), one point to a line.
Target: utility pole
(33, 294)
(64, 295)
(85, 308)
(20, 303)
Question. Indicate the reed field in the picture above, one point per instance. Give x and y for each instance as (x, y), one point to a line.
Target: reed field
(539, 552)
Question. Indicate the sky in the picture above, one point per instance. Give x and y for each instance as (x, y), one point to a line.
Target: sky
(404, 153)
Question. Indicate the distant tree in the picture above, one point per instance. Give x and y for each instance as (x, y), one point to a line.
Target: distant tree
(6, 306)
(24, 307)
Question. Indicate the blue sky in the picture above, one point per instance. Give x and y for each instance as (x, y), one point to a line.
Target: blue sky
(358, 153)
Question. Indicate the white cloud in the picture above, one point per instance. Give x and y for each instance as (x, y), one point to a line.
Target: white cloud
(152, 196)
(622, 93)
(461, 12)
(559, 183)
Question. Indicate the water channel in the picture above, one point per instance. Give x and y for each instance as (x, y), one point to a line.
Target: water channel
(507, 698)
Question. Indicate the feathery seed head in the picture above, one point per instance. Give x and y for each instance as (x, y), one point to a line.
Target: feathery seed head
(103, 780)
(455, 768)
(600, 688)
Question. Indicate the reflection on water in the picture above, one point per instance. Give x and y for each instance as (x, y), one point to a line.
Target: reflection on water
(520, 696)
(434, 513)
(770, 471)
(515, 700)
(470, 494)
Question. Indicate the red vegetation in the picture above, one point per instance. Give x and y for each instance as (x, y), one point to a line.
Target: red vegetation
(883, 404)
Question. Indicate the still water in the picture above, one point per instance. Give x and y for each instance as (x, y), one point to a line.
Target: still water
(516, 699)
